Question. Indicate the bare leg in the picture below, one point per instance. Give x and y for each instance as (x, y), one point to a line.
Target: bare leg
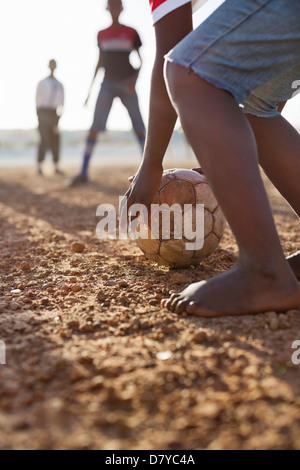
(278, 146)
(82, 178)
(225, 146)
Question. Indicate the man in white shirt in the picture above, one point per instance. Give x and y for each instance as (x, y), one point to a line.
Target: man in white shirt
(49, 104)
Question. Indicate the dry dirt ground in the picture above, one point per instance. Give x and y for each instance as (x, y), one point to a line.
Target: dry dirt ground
(93, 362)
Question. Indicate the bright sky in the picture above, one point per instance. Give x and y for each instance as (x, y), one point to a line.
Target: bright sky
(33, 31)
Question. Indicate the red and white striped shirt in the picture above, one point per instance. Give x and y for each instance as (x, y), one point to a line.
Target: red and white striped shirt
(160, 8)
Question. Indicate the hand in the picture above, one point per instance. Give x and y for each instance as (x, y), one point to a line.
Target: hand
(143, 188)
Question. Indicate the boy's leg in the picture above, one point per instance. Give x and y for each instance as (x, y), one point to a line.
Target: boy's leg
(238, 49)
(131, 103)
(279, 155)
(89, 148)
(103, 106)
(277, 141)
(82, 177)
(225, 146)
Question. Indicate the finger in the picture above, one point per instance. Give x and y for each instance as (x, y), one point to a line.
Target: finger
(126, 203)
(123, 211)
(198, 170)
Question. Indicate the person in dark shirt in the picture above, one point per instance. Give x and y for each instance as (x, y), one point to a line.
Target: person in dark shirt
(116, 44)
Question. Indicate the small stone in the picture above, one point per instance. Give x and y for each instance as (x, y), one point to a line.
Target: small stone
(25, 266)
(270, 315)
(87, 328)
(101, 296)
(200, 337)
(274, 324)
(73, 324)
(164, 355)
(76, 288)
(229, 336)
(78, 247)
(123, 284)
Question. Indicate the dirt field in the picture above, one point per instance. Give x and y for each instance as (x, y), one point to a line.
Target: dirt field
(93, 362)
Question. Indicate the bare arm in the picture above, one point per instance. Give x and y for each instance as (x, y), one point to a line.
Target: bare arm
(98, 66)
(162, 116)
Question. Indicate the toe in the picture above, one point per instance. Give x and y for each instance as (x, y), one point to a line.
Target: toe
(166, 303)
(174, 297)
(181, 306)
(176, 300)
(191, 308)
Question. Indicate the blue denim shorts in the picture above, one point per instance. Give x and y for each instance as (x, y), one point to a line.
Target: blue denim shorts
(108, 92)
(250, 48)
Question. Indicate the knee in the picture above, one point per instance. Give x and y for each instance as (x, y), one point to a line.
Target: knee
(93, 135)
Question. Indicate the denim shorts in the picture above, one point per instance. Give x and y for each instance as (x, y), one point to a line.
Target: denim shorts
(108, 92)
(250, 48)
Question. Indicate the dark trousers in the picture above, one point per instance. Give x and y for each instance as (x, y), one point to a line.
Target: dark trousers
(48, 129)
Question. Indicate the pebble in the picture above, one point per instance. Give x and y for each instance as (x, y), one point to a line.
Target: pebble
(25, 266)
(164, 355)
(274, 324)
(101, 296)
(78, 247)
(199, 337)
(123, 284)
(73, 324)
(16, 291)
(76, 288)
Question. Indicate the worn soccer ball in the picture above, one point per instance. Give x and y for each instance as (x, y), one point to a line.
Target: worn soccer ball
(183, 187)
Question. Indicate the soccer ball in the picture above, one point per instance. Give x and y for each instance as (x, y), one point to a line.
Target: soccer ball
(182, 187)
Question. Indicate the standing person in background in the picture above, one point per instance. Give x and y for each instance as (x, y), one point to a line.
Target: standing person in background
(116, 44)
(49, 104)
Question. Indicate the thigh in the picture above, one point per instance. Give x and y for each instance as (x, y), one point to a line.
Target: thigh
(103, 106)
(243, 45)
(44, 128)
(131, 103)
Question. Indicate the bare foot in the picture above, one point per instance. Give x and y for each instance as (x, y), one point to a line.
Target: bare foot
(237, 292)
(294, 262)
